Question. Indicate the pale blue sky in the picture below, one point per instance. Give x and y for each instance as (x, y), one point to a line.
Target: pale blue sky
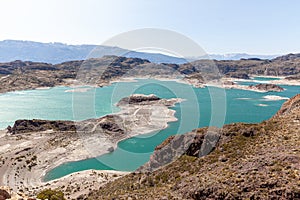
(219, 26)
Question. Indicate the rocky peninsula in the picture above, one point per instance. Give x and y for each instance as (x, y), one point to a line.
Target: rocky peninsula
(32, 147)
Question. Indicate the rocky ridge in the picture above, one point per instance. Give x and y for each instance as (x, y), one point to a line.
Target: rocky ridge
(19, 75)
(238, 161)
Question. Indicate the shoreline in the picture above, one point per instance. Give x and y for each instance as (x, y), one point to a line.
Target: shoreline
(43, 151)
(74, 87)
(268, 76)
(172, 118)
(85, 88)
(116, 146)
(281, 81)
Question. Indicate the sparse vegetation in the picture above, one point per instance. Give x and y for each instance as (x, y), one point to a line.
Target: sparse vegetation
(50, 194)
(251, 161)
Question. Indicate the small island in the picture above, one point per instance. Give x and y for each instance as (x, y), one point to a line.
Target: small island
(262, 87)
(265, 87)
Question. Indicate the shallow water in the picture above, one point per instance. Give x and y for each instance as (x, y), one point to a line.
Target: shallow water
(257, 80)
(261, 78)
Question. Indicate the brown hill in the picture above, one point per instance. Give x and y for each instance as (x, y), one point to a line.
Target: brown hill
(248, 161)
(19, 75)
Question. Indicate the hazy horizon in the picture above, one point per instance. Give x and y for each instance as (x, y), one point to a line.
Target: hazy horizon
(151, 51)
(219, 27)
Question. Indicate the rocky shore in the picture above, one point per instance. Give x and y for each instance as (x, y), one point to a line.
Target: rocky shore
(238, 161)
(98, 72)
(266, 87)
(32, 147)
(261, 87)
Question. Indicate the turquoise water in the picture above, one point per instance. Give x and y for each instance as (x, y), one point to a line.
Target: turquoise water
(45, 104)
(203, 107)
(257, 80)
(261, 78)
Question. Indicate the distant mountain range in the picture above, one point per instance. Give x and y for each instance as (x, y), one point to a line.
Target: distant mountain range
(54, 53)
(11, 50)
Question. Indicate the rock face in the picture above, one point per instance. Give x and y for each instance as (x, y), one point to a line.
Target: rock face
(37, 125)
(245, 161)
(4, 194)
(196, 144)
(240, 75)
(138, 99)
(289, 106)
(266, 87)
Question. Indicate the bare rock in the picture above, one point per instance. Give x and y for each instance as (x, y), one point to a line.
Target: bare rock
(37, 125)
(4, 194)
(267, 87)
(289, 105)
(138, 99)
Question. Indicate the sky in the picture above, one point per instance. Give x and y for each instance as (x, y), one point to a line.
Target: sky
(218, 26)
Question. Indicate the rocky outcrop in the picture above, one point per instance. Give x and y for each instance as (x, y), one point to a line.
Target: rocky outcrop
(4, 194)
(19, 75)
(287, 57)
(266, 87)
(245, 161)
(239, 75)
(295, 77)
(7, 193)
(138, 99)
(289, 105)
(196, 144)
(37, 125)
(281, 66)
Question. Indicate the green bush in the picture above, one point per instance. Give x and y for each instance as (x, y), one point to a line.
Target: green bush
(51, 195)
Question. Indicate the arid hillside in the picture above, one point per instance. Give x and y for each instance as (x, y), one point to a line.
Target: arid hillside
(247, 161)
